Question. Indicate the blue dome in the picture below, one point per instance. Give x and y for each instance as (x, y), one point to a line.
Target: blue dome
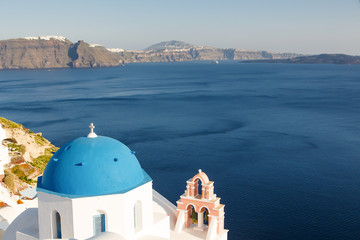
(92, 167)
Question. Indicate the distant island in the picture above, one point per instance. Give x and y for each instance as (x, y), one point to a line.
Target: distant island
(59, 52)
(314, 59)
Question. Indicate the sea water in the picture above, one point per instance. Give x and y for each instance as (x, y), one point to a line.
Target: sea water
(281, 142)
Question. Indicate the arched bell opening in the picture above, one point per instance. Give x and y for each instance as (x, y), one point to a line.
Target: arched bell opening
(192, 215)
(203, 217)
(198, 187)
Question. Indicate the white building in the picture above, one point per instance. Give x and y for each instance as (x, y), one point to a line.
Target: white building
(4, 152)
(94, 188)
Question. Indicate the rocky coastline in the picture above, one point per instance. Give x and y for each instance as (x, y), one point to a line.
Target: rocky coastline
(28, 152)
(59, 52)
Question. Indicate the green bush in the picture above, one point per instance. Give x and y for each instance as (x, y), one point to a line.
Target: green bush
(18, 171)
(9, 124)
(49, 151)
(41, 161)
(40, 140)
(16, 147)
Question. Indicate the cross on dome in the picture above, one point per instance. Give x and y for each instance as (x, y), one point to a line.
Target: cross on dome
(91, 127)
(92, 134)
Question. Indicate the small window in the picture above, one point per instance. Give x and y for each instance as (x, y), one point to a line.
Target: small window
(99, 223)
(137, 216)
(57, 230)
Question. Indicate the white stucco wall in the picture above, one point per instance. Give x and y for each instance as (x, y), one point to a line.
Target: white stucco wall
(25, 228)
(48, 204)
(77, 214)
(26, 224)
(118, 209)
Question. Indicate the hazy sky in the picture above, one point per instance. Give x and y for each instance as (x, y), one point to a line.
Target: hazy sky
(303, 26)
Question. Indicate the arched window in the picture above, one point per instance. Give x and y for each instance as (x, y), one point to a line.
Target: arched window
(56, 225)
(204, 216)
(199, 187)
(99, 223)
(192, 214)
(137, 216)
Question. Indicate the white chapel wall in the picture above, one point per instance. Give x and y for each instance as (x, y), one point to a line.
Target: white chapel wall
(48, 204)
(118, 209)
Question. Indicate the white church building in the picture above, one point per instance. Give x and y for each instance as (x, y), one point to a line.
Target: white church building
(94, 188)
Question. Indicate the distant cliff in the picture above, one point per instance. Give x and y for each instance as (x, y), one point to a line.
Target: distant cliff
(85, 55)
(317, 59)
(52, 52)
(176, 51)
(58, 52)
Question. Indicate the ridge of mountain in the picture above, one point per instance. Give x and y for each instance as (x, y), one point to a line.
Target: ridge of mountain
(170, 45)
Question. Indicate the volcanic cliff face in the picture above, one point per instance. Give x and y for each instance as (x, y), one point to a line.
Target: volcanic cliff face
(58, 52)
(23, 53)
(53, 53)
(83, 55)
(195, 54)
(176, 51)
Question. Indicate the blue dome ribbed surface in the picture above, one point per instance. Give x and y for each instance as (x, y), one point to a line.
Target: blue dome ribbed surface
(92, 167)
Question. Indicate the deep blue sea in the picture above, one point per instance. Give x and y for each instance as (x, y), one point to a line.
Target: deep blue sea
(281, 142)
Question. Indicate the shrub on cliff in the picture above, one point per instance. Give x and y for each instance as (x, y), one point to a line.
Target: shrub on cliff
(41, 161)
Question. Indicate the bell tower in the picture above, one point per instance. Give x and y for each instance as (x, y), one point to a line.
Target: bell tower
(200, 208)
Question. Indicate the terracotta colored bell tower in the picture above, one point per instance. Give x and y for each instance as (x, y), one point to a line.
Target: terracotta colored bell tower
(199, 208)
